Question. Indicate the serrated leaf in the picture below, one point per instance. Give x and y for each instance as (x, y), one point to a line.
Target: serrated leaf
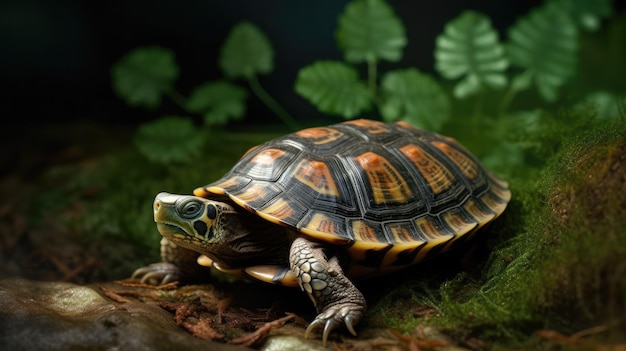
(587, 14)
(218, 101)
(414, 97)
(469, 49)
(545, 43)
(369, 30)
(143, 75)
(246, 52)
(169, 139)
(334, 88)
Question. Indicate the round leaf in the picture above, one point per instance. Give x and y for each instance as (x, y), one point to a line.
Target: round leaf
(469, 49)
(334, 88)
(545, 42)
(414, 97)
(169, 139)
(219, 101)
(143, 75)
(369, 30)
(246, 52)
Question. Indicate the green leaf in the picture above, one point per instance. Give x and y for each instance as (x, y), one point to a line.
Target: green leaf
(143, 75)
(603, 105)
(369, 30)
(414, 97)
(218, 101)
(545, 43)
(469, 49)
(587, 14)
(169, 139)
(246, 52)
(334, 88)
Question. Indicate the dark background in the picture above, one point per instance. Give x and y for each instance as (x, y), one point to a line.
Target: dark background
(56, 55)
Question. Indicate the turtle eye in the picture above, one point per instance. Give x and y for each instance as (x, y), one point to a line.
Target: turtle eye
(190, 209)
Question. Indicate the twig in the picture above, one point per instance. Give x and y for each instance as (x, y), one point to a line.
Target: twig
(131, 284)
(254, 337)
(113, 295)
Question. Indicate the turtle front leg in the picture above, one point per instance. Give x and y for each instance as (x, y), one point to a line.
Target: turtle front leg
(179, 264)
(338, 301)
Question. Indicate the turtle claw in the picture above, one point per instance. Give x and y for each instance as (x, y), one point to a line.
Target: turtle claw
(332, 318)
(157, 274)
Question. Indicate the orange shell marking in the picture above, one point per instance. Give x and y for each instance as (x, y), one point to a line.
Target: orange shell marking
(267, 157)
(279, 210)
(437, 176)
(388, 186)
(401, 233)
(428, 228)
(458, 224)
(252, 193)
(467, 166)
(321, 223)
(372, 127)
(321, 135)
(317, 176)
(363, 232)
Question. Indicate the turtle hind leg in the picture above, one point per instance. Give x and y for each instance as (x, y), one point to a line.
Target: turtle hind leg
(338, 301)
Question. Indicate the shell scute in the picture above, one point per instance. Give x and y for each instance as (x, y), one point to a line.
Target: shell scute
(385, 182)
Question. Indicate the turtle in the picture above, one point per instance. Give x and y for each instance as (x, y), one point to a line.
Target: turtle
(324, 207)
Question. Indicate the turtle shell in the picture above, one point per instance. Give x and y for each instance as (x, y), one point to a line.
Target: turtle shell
(389, 193)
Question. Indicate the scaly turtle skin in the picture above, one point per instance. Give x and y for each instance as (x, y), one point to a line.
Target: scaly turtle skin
(323, 206)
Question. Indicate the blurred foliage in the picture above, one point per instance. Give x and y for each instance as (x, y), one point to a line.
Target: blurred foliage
(155, 139)
(333, 87)
(469, 48)
(404, 93)
(369, 31)
(218, 101)
(146, 74)
(545, 45)
(246, 52)
(480, 75)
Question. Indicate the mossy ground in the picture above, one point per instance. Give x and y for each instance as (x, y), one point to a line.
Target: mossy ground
(551, 266)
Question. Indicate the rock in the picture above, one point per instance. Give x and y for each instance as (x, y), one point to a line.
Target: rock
(289, 343)
(63, 316)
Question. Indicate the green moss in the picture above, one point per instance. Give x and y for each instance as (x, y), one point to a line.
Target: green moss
(553, 261)
(585, 267)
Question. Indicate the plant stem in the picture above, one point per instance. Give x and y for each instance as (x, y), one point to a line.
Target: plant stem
(518, 83)
(372, 77)
(506, 100)
(478, 111)
(177, 97)
(272, 104)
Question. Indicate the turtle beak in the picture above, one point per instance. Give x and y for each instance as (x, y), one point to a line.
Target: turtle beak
(162, 201)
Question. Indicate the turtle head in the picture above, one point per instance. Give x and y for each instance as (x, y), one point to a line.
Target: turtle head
(226, 234)
(192, 222)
